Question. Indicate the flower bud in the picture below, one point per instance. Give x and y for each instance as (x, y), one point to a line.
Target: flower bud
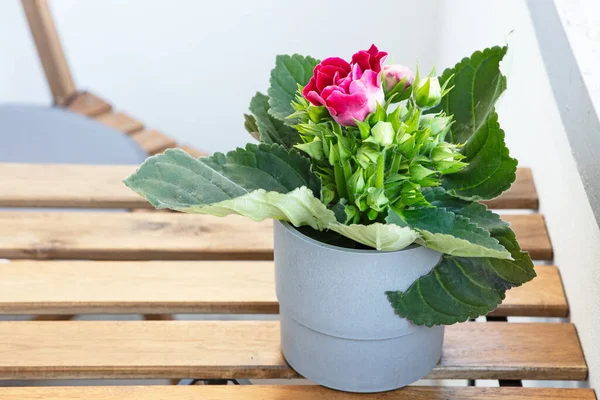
(428, 92)
(438, 124)
(383, 133)
(395, 73)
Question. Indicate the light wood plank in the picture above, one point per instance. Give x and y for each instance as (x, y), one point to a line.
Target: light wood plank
(88, 104)
(532, 235)
(64, 185)
(49, 49)
(172, 236)
(260, 392)
(121, 122)
(242, 287)
(132, 236)
(522, 193)
(100, 186)
(250, 349)
(152, 141)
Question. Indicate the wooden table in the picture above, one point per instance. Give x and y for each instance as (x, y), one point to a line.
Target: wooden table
(160, 263)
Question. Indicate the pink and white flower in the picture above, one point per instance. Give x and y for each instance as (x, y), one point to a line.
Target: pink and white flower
(349, 91)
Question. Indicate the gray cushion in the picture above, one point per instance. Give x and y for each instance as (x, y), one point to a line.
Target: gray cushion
(37, 134)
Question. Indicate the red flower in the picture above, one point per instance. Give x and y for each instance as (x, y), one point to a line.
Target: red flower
(349, 91)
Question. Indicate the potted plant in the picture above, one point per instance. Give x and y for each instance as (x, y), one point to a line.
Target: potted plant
(373, 176)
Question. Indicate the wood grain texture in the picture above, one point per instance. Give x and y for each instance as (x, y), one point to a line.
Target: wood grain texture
(100, 186)
(132, 236)
(88, 104)
(121, 122)
(522, 193)
(236, 287)
(63, 185)
(532, 234)
(172, 236)
(49, 49)
(152, 141)
(287, 393)
(250, 349)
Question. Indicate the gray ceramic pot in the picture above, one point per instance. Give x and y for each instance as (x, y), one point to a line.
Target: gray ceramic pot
(337, 327)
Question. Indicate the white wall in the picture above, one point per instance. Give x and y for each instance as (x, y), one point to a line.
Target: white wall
(536, 136)
(190, 68)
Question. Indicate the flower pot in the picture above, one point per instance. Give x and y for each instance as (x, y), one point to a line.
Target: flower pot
(338, 328)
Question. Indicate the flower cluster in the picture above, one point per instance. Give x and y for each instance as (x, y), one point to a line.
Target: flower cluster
(372, 143)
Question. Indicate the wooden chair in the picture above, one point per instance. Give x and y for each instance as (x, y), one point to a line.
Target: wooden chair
(66, 94)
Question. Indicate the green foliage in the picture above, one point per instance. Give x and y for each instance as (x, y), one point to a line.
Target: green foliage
(270, 129)
(409, 173)
(491, 170)
(444, 231)
(458, 288)
(478, 83)
(178, 181)
(289, 72)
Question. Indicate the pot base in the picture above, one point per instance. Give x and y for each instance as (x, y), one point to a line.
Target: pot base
(363, 366)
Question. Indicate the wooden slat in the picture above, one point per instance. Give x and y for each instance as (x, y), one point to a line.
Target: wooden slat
(63, 185)
(171, 236)
(88, 104)
(100, 186)
(532, 235)
(242, 287)
(250, 349)
(121, 122)
(49, 49)
(152, 141)
(260, 392)
(522, 194)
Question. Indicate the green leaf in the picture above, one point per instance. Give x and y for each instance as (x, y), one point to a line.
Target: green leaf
(299, 207)
(449, 233)
(179, 181)
(478, 83)
(491, 170)
(289, 72)
(459, 288)
(476, 212)
(271, 130)
(251, 127)
(383, 237)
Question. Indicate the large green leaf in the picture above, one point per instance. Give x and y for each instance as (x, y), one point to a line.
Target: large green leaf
(459, 288)
(476, 212)
(271, 130)
(491, 170)
(384, 237)
(449, 233)
(177, 180)
(478, 83)
(289, 72)
(299, 207)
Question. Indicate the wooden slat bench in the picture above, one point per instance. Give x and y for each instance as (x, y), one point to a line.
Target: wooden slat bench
(223, 287)
(52, 347)
(217, 278)
(288, 392)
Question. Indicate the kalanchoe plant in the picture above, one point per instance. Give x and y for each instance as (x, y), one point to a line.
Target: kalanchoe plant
(366, 155)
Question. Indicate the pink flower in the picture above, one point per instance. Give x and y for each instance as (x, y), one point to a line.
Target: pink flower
(349, 91)
(393, 74)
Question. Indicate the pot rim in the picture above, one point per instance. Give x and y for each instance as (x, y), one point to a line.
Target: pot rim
(290, 228)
